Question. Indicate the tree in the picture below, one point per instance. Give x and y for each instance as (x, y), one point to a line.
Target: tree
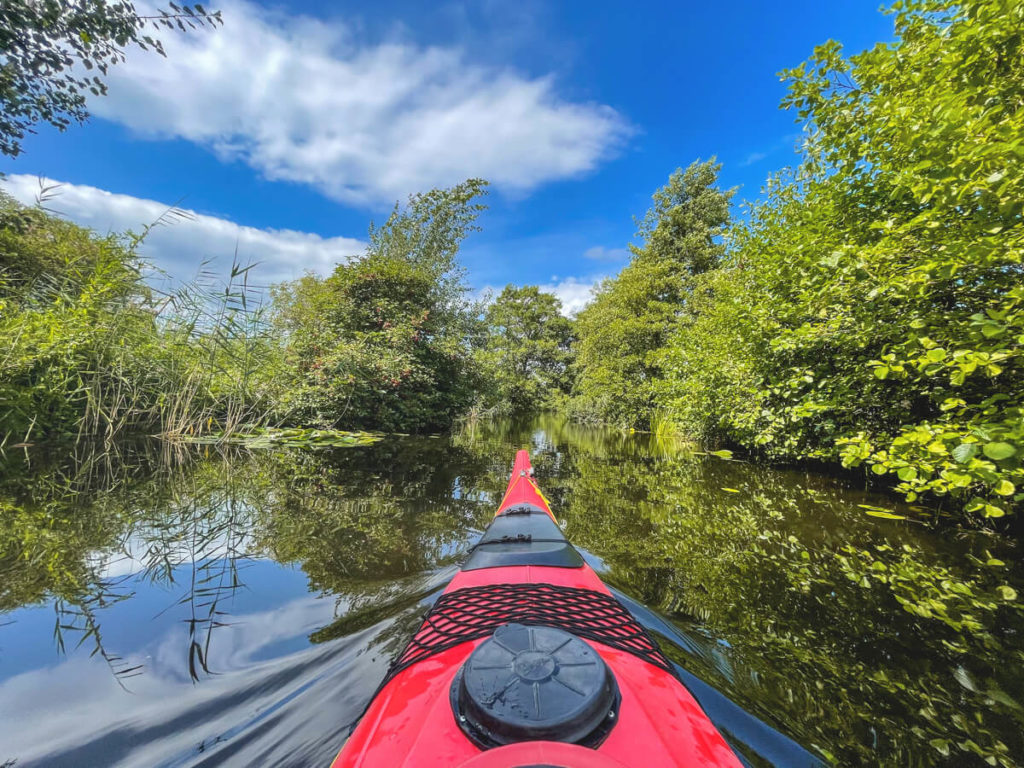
(526, 354)
(46, 44)
(633, 313)
(871, 310)
(386, 341)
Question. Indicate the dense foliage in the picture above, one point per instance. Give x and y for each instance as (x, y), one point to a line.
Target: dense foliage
(50, 51)
(868, 311)
(386, 342)
(90, 348)
(871, 310)
(526, 352)
(632, 315)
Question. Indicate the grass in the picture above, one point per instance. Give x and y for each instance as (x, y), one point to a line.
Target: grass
(95, 351)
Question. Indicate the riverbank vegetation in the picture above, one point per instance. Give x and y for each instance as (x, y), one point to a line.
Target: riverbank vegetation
(633, 314)
(867, 311)
(386, 342)
(526, 353)
(91, 348)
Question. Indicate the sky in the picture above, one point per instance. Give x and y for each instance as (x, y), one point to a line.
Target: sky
(286, 131)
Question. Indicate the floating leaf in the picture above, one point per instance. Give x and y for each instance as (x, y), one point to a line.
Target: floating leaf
(880, 512)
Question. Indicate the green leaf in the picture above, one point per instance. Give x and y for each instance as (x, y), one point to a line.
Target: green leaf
(999, 451)
(879, 512)
(1007, 592)
(1004, 488)
(906, 474)
(965, 452)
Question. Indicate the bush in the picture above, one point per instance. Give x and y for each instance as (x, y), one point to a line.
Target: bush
(91, 349)
(386, 342)
(871, 310)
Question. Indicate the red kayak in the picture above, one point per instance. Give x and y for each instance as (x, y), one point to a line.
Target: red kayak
(527, 659)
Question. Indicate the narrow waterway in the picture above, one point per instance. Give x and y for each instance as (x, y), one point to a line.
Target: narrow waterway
(195, 607)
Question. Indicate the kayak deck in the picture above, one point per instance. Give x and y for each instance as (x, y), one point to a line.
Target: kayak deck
(522, 574)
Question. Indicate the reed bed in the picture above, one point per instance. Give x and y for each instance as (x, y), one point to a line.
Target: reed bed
(90, 349)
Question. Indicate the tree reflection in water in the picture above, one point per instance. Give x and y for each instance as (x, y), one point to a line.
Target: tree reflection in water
(872, 642)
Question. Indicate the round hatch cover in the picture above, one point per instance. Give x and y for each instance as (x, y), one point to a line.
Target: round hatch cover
(534, 683)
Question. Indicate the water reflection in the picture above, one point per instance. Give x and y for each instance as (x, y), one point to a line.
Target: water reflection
(196, 607)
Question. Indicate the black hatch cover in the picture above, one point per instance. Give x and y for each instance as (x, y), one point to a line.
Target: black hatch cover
(528, 683)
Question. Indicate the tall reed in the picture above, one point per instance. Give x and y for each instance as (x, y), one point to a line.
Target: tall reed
(89, 348)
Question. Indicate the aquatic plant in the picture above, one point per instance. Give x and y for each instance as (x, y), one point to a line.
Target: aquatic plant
(92, 349)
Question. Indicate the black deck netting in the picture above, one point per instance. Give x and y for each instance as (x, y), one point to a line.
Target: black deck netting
(475, 612)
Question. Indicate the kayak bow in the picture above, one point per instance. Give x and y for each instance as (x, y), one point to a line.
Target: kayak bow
(527, 659)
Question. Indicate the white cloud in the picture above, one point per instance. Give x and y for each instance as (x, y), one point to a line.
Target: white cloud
(48, 712)
(182, 245)
(752, 158)
(574, 292)
(600, 253)
(301, 100)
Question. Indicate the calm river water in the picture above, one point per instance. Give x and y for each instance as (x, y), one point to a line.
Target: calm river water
(197, 607)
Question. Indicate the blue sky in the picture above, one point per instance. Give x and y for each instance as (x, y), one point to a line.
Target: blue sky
(291, 127)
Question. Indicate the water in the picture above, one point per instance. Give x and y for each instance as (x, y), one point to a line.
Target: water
(193, 607)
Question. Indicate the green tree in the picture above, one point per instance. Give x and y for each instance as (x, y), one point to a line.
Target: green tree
(872, 311)
(386, 341)
(46, 44)
(633, 314)
(526, 354)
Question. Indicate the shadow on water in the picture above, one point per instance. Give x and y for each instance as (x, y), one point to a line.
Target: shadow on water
(202, 607)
